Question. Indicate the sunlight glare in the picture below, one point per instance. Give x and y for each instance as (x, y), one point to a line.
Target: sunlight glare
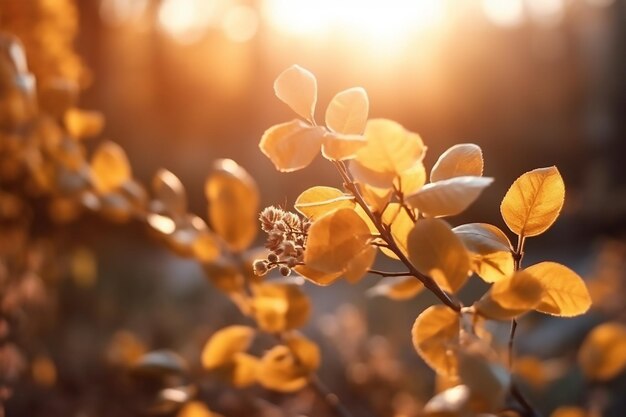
(186, 20)
(506, 13)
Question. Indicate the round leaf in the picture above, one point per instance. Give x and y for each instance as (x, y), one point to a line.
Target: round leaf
(280, 307)
(319, 200)
(465, 159)
(110, 167)
(225, 344)
(602, 355)
(297, 87)
(338, 147)
(534, 201)
(436, 336)
(291, 146)
(347, 111)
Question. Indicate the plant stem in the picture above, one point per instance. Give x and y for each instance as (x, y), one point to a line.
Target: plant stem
(389, 274)
(385, 234)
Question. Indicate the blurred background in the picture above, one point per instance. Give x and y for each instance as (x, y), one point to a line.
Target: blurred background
(184, 82)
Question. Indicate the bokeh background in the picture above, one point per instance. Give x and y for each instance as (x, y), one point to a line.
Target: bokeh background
(184, 82)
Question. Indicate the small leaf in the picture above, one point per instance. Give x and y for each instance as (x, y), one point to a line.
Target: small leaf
(436, 251)
(360, 264)
(488, 308)
(411, 180)
(225, 344)
(110, 167)
(280, 307)
(334, 239)
(170, 193)
(291, 146)
(448, 197)
(288, 368)
(347, 111)
(244, 370)
(319, 200)
(520, 291)
(490, 250)
(400, 224)
(564, 292)
(436, 338)
(376, 179)
(534, 201)
(602, 355)
(339, 147)
(233, 204)
(82, 124)
(376, 198)
(462, 160)
(397, 288)
(390, 150)
(297, 87)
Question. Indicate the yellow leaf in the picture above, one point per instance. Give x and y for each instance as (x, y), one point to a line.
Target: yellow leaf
(244, 370)
(390, 150)
(83, 123)
(411, 180)
(436, 337)
(488, 308)
(436, 251)
(369, 177)
(401, 224)
(291, 146)
(490, 250)
(376, 198)
(319, 200)
(564, 292)
(225, 344)
(360, 264)
(233, 204)
(338, 147)
(569, 411)
(297, 87)
(317, 277)
(602, 355)
(334, 239)
(194, 409)
(347, 111)
(110, 167)
(521, 291)
(280, 307)
(288, 368)
(397, 288)
(462, 160)
(448, 197)
(169, 193)
(534, 201)
(205, 247)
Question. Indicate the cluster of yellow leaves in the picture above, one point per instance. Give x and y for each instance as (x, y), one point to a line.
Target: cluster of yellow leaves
(286, 367)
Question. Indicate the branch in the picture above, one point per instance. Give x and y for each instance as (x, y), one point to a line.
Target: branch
(389, 274)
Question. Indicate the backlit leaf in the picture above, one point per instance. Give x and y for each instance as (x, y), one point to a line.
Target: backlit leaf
(462, 160)
(319, 200)
(490, 250)
(401, 225)
(280, 307)
(436, 337)
(488, 308)
(225, 344)
(448, 197)
(110, 167)
(520, 291)
(297, 87)
(534, 201)
(317, 277)
(233, 204)
(169, 192)
(347, 111)
(339, 147)
(244, 370)
(288, 368)
(376, 198)
(334, 239)
(411, 180)
(602, 355)
(291, 146)
(360, 264)
(397, 288)
(436, 251)
(83, 123)
(390, 150)
(564, 292)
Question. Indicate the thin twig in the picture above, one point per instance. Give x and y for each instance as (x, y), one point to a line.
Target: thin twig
(389, 274)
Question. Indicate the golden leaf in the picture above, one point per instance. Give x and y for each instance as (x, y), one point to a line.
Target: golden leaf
(222, 347)
(233, 204)
(205, 247)
(488, 308)
(347, 111)
(280, 307)
(564, 292)
(436, 251)
(462, 160)
(390, 150)
(448, 197)
(400, 224)
(376, 198)
(397, 288)
(288, 368)
(334, 239)
(291, 146)
(533, 202)
(338, 147)
(365, 176)
(110, 167)
(170, 193)
(297, 87)
(411, 180)
(82, 124)
(521, 291)
(319, 200)
(360, 264)
(602, 355)
(490, 250)
(317, 277)
(436, 337)
(244, 370)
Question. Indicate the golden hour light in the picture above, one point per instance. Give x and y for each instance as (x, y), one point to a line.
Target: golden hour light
(312, 208)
